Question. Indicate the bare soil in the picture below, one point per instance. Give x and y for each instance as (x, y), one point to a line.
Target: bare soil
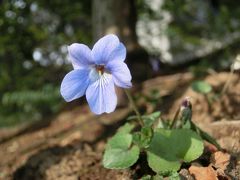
(70, 146)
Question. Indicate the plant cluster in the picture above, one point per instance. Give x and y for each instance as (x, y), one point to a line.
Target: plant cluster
(166, 144)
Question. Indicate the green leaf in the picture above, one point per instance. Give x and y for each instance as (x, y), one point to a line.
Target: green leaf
(201, 87)
(146, 177)
(149, 177)
(174, 176)
(126, 128)
(120, 140)
(137, 139)
(187, 125)
(169, 148)
(143, 138)
(119, 158)
(205, 135)
(147, 119)
(151, 118)
(165, 124)
(119, 153)
(157, 177)
(133, 117)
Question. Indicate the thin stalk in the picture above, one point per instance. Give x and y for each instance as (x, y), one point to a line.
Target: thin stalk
(224, 89)
(134, 106)
(175, 118)
(207, 98)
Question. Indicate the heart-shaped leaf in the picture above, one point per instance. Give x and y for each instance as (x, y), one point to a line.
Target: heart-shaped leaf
(169, 148)
(201, 87)
(119, 153)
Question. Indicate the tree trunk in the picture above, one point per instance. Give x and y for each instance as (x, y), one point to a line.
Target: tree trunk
(119, 17)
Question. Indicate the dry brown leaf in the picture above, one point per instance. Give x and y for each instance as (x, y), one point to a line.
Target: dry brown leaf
(220, 160)
(203, 173)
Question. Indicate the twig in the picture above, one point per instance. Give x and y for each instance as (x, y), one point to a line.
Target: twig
(224, 89)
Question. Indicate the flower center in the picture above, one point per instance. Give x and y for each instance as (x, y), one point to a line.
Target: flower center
(100, 69)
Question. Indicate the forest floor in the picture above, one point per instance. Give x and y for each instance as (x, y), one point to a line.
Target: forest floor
(70, 146)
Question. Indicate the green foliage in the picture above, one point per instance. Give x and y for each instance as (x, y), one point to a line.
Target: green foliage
(144, 137)
(205, 135)
(174, 176)
(148, 120)
(20, 98)
(147, 177)
(29, 105)
(171, 147)
(201, 87)
(120, 153)
(45, 27)
(185, 122)
(156, 177)
(193, 28)
(166, 149)
(126, 128)
(216, 20)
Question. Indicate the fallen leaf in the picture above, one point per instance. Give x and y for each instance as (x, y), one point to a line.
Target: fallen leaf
(203, 173)
(220, 160)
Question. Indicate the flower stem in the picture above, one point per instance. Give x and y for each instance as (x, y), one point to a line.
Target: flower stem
(175, 118)
(134, 106)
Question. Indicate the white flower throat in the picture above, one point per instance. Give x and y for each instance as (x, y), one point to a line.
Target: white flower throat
(98, 72)
(100, 69)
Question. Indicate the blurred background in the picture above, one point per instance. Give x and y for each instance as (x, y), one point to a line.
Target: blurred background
(166, 35)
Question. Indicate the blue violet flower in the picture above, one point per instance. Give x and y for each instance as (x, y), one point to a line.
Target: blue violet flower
(95, 72)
